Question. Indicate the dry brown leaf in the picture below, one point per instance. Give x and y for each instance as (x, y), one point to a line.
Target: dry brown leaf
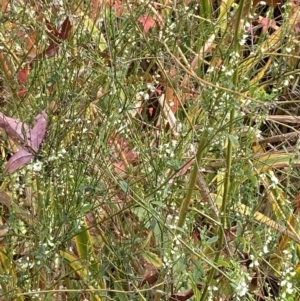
(150, 275)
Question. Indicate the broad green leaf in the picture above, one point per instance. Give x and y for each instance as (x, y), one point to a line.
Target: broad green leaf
(223, 263)
(212, 240)
(233, 140)
(152, 258)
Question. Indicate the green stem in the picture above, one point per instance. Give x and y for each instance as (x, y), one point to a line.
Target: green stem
(185, 204)
(205, 10)
(225, 200)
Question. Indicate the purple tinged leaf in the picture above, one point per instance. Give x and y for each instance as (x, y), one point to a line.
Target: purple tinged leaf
(17, 160)
(14, 128)
(35, 136)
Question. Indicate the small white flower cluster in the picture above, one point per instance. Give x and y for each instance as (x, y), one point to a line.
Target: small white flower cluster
(167, 150)
(274, 180)
(58, 156)
(254, 262)
(241, 288)
(18, 186)
(265, 249)
(142, 95)
(287, 286)
(211, 293)
(36, 295)
(240, 281)
(170, 259)
(234, 59)
(25, 263)
(35, 166)
(123, 126)
(168, 263)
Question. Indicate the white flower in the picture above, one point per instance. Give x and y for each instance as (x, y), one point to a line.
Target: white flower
(241, 288)
(37, 166)
(273, 179)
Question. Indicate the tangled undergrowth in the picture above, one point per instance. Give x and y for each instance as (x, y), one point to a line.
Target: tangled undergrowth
(150, 150)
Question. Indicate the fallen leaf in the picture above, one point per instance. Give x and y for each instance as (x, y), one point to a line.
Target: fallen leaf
(4, 5)
(17, 160)
(150, 275)
(13, 128)
(28, 140)
(147, 22)
(95, 4)
(21, 92)
(272, 3)
(118, 7)
(52, 32)
(55, 37)
(65, 29)
(182, 296)
(36, 135)
(23, 74)
(185, 295)
(152, 259)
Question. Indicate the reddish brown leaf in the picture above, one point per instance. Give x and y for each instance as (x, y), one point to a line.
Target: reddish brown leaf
(182, 296)
(123, 153)
(297, 203)
(55, 37)
(95, 8)
(22, 92)
(182, 171)
(150, 275)
(29, 40)
(65, 29)
(23, 74)
(272, 3)
(4, 5)
(147, 22)
(52, 32)
(51, 51)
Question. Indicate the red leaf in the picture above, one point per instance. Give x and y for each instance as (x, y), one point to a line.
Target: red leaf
(22, 77)
(22, 92)
(17, 160)
(65, 29)
(174, 104)
(147, 22)
(118, 7)
(23, 74)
